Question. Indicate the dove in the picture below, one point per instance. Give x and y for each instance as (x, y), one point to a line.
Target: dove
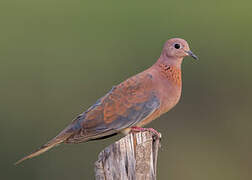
(131, 104)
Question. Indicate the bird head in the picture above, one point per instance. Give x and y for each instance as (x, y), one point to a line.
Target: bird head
(177, 48)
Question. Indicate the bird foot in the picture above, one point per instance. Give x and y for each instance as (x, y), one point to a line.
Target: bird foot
(140, 129)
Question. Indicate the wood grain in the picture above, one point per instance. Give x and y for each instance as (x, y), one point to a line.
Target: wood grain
(134, 157)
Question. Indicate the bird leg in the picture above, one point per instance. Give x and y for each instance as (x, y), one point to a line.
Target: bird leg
(140, 129)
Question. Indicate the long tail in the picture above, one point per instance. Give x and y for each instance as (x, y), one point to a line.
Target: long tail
(55, 141)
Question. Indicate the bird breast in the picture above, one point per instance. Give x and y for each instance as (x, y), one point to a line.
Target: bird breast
(170, 86)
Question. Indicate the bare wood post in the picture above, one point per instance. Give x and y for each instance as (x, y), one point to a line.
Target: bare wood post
(134, 157)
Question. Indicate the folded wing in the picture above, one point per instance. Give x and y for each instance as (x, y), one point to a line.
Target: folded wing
(124, 106)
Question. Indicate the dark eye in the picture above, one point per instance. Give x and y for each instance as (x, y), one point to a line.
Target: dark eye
(177, 46)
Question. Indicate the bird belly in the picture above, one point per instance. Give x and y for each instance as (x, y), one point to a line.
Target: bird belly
(169, 96)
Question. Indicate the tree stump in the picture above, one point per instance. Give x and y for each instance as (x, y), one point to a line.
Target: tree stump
(134, 157)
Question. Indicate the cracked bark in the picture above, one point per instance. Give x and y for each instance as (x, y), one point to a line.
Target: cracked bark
(134, 157)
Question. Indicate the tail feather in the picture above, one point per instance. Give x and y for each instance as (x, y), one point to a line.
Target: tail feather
(55, 141)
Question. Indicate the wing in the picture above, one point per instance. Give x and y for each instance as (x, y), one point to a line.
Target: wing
(125, 105)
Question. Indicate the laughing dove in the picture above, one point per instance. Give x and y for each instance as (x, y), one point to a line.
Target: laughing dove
(132, 104)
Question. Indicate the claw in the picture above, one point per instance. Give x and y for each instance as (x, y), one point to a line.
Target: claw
(140, 129)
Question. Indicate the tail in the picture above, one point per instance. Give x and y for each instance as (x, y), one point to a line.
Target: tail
(55, 141)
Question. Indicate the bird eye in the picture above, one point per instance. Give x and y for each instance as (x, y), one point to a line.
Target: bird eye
(177, 46)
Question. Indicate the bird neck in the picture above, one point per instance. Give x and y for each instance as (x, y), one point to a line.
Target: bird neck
(170, 61)
(169, 70)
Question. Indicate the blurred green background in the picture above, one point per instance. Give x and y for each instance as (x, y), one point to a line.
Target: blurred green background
(58, 57)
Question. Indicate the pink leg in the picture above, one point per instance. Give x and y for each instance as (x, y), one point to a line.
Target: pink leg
(140, 129)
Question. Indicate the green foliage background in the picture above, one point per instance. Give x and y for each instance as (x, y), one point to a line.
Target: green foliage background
(58, 57)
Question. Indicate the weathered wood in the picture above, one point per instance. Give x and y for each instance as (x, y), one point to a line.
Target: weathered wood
(134, 157)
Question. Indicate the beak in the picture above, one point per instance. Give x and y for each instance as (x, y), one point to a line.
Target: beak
(190, 53)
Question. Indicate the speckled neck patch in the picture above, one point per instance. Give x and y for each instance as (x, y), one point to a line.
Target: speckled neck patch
(171, 73)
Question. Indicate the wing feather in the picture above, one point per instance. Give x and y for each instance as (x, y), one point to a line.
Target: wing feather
(123, 106)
